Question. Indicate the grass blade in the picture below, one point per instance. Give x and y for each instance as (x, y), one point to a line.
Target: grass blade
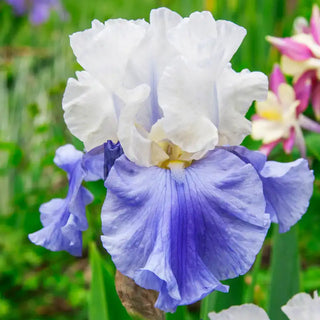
(104, 303)
(284, 271)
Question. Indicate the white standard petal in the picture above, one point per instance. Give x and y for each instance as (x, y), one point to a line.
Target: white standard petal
(104, 49)
(236, 92)
(303, 307)
(244, 312)
(89, 111)
(188, 99)
(202, 39)
(137, 146)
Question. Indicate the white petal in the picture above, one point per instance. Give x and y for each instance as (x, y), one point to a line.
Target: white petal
(244, 312)
(287, 95)
(292, 67)
(269, 131)
(149, 59)
(104, 49)
(137, 146)
(200, 38)
(303, 307)
(272, 103)
(308, 40)
(188, 99)
(89, 111)
(194, 36)
(236, 92)
(191, 134)
(230, 36)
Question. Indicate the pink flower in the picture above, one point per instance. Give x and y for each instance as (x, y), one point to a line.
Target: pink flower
(279, 119)
(301, 57)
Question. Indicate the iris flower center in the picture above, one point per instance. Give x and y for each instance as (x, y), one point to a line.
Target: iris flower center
(177, 157)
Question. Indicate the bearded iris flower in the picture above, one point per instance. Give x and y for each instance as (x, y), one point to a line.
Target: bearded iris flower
(301, 57)
(300, 307)
(38, 10)
(186, 206)
(280, 119)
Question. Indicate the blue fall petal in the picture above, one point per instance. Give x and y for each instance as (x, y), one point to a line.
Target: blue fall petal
(112, 151)
(93, 164)
(181, 231)
(98, 161)
(287, 186)
(64, 220)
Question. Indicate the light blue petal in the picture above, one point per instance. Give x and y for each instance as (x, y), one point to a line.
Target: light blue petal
(93, 164)
(60, 235)
(287, 187)
(98, 161)
(64, 220)
(67, 157)
(181, 232)
(112, 151)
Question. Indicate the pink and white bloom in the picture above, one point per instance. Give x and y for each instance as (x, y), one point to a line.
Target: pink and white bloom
(301, 307)
(301, 56)
(279, 119)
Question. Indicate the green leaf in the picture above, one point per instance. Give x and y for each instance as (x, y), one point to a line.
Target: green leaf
(218, 301)
(207, 305)
(255, 273)
(313, 144)
(181, 313)
(104, 303)
(233, 297)
(285, 271)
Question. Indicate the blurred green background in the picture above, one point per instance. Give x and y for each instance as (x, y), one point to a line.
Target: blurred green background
(35, 63)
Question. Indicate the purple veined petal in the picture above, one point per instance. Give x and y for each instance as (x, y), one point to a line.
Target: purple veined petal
(290, 48)
(315, 24)
(98, 161)
(287, 187)
(289, 142)
(302, 88)
(93, 164)
(316, 100)
(64, 220)
(276, 78)
(112, 151)
(268, 147)
(179, 232)
(309, 124)
(67, 157)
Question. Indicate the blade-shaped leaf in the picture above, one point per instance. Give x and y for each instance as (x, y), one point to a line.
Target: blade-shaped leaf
(181, 313)
(104, 303)
(285, 271)
(218, 301)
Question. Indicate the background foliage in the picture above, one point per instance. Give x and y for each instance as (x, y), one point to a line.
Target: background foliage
(35, 63)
